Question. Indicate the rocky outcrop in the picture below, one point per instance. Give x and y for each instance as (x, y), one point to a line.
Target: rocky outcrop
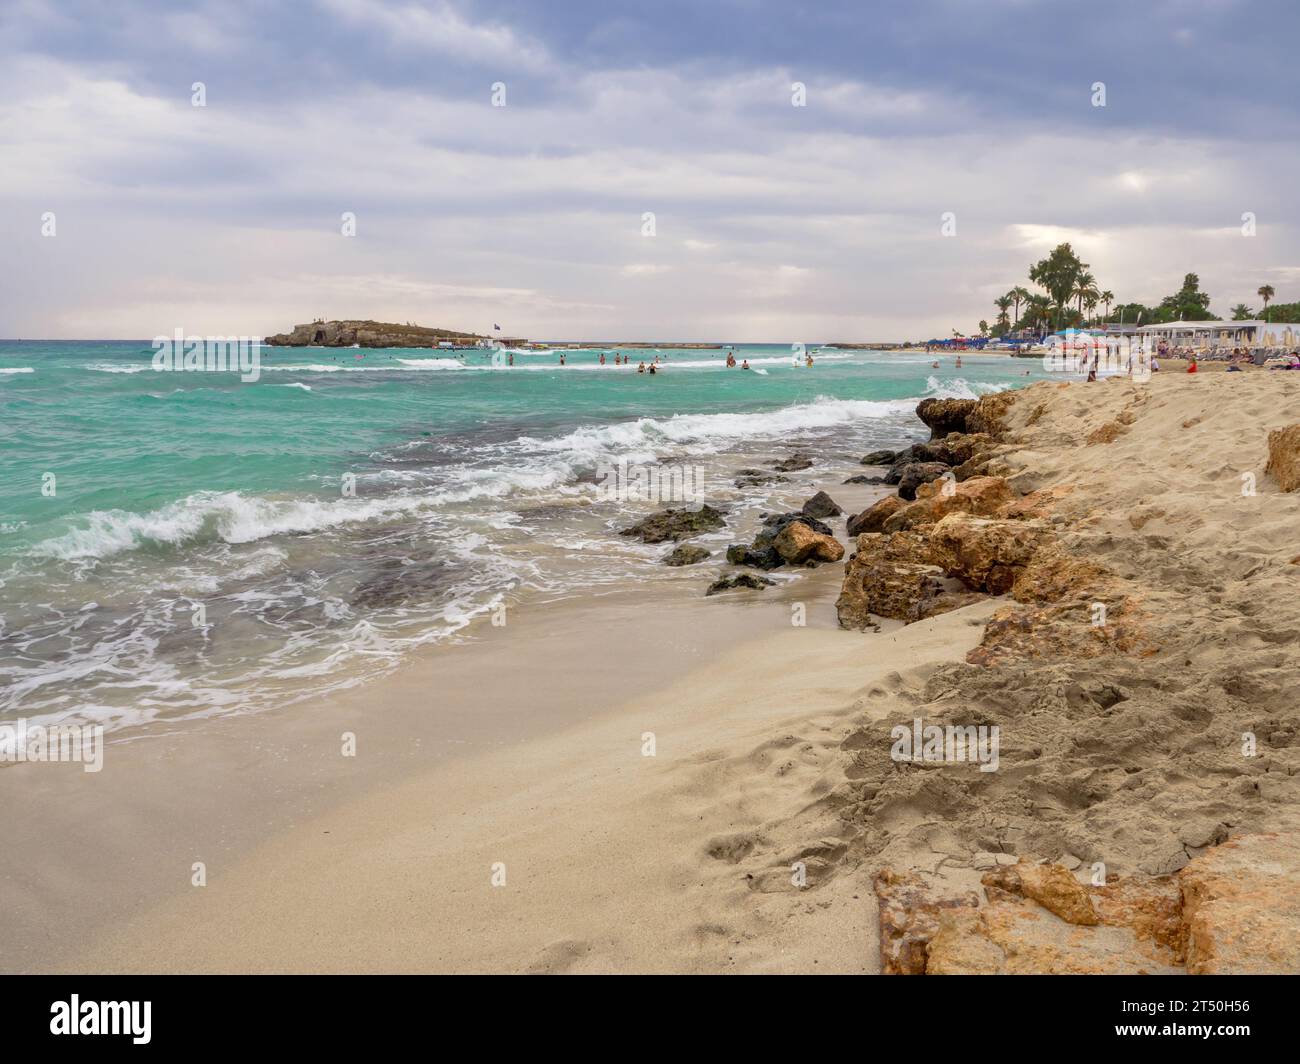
(977, 416)
(756, 478)
(985, 554)
(873, 518)
(674, 525)
(797, 543)
(773, 523)
(1051, 885)
(1233, 910)
(909, 918)
(764, 558)
(686, 554)
(367, 334)
(943, 416)
(797, 461)
(893, 576)
(880, 458)
(1284, 457)
(979, 496)
(821, 505)
(1241, 907)
(745, 580)
(914, 474)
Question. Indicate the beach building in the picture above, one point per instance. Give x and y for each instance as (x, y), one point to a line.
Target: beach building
(1221, 335)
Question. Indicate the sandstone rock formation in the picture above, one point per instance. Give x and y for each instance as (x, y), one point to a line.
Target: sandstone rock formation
(1284, 457)
(980, 496)
(873, 518)
(797, 543)
(1241, 907)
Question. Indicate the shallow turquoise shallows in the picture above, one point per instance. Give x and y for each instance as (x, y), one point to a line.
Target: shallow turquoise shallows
(175, 543)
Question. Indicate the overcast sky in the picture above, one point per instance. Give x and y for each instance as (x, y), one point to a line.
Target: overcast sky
(772, 222)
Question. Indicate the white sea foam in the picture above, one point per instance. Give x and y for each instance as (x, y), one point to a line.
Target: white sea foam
(19, 369)
(295, 384)
(960, 388)
(117, 367)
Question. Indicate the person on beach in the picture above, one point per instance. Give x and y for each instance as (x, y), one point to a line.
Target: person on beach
(1191, 362)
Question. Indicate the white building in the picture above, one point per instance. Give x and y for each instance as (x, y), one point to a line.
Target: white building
(1221, 335)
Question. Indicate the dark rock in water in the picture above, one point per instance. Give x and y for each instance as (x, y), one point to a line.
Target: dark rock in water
(773, 524)
(397, 581)
(862, 478)
(763, 558)
(822, 505)
(686, 554)
(880, 458)
(739, 580)
(945, 415)
(916, 474)
(925, 452)
(796, 461)
(953, 449)
(873, 518)
(755, 478)
(674, 525)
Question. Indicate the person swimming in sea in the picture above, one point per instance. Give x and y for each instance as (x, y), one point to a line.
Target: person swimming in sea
(745, 364)
(602, 358)
(653, 370)
(561, 359)
(641, 368)
(808, 361)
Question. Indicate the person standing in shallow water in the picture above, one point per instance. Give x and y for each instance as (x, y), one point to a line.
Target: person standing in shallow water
(561, 360)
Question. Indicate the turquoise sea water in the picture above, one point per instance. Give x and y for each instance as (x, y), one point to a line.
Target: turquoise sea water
(195, 550)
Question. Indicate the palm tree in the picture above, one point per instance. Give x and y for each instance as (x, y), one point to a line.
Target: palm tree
(1107, 297)
(1241, 312)
(1085, 287)
(1090, 304)
(1018, 295)
(1038, 312)
(1265, 292)
(1002, 303)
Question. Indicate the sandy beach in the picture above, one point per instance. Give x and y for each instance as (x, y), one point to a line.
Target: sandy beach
(671, 783)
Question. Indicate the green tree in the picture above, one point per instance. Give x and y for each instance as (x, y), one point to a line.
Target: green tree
(1058, 274)
(1018, 295)
(1265, 292)
(1003, 303)
(1241, 312)
(1085, 288)
(1107, 297)
(1189, 303)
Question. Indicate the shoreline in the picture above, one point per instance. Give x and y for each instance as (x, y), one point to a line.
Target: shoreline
(771, 751)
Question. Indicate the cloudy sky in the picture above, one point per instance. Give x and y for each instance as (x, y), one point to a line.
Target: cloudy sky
(771, 221)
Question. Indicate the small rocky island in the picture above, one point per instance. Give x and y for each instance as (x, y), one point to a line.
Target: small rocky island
(369, 334)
